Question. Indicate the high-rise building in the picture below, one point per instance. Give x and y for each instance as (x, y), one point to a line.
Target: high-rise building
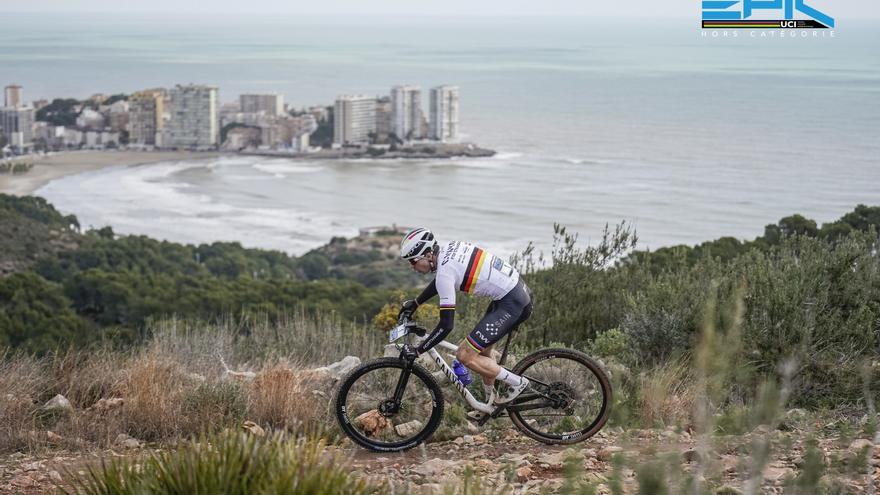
(194, 117)
(271, 104)
(145, 116)
(444, 113)
(383, 119)
(17, 124)
(354, 119)
(12, 96)
(406, 112)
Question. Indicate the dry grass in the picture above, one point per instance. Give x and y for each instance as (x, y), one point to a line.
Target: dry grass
(282, 397)
(85, 377)
(22, 383)
(667, 394)
(176, 385)
(153, 390)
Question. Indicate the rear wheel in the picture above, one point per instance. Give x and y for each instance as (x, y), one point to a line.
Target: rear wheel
(368, 414)
(568, 400)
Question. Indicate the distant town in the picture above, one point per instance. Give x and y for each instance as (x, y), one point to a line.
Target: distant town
(190, 117)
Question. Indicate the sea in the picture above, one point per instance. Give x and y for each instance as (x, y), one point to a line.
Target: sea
(684, 135)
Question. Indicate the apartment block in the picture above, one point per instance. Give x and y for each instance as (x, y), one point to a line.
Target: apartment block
(354, 119)
(194, 119)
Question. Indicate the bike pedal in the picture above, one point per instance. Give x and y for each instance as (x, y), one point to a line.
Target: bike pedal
(476, 416)
(480, 418)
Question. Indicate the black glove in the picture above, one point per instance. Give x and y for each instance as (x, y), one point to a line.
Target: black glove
(408, 353)
(407, 309)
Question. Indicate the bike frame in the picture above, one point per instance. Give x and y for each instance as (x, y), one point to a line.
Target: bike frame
(453, 378)
(489, 409)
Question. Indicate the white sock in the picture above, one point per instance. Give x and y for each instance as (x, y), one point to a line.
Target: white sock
(508, 378)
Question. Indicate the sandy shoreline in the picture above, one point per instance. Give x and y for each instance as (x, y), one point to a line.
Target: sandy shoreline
(49, 167)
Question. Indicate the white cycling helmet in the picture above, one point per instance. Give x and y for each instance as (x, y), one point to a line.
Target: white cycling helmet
(416, 243)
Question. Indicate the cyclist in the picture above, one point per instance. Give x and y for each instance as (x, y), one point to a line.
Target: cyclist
(472, 270)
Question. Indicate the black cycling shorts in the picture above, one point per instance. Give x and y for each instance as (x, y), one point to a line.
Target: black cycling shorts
(501, 316)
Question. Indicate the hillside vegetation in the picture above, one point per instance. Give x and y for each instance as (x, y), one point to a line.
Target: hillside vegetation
(60, 286)
(758, 358)
(809, 294)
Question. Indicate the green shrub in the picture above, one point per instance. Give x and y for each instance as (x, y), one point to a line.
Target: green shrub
(612, 343)
(215, 404)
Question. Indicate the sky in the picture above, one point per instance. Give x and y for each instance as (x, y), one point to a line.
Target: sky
(840, 9)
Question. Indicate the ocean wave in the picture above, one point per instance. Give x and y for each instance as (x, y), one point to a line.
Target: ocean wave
(286, 168)
(136, 200)
(508, 155)
(583, 161)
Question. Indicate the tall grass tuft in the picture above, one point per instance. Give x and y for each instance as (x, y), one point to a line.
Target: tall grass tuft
(231, 463)
(283, 398)
(23, 383)
(153, 388)
(667, 394)
(84, 377)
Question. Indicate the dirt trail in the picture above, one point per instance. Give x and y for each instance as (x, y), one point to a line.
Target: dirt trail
(504, 457)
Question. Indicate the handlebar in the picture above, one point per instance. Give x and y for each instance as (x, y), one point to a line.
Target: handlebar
(413, 327)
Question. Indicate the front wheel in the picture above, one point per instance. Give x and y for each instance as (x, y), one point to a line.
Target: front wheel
(568, 400)
(369, 415)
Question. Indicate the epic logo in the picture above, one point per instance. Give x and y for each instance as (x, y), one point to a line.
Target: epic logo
(722, 10)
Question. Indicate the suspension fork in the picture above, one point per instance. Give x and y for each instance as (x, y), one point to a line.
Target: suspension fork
(401, 382)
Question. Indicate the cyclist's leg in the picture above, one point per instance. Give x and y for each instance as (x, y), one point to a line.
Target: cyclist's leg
(501, 317)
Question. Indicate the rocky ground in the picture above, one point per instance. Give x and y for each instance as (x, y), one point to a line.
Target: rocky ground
(503, 459)
(815, 454)
(532, 468)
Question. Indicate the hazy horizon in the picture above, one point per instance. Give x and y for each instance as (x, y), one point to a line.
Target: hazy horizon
(846, 9)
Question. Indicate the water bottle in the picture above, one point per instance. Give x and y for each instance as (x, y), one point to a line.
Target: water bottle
(461, 371)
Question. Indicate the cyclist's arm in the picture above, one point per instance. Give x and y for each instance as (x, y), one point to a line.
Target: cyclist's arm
(445, 287)
(429, 292)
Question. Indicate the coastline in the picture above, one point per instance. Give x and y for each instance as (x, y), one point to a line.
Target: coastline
(56, 165)
(426, 151)
(47, 168)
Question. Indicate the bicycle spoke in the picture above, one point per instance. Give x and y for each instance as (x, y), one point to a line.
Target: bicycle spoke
(565, 397)
(374, 414)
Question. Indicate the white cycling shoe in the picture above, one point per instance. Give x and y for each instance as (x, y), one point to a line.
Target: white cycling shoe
(513, 392)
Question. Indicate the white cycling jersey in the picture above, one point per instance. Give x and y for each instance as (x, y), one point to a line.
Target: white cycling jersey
(465, 267)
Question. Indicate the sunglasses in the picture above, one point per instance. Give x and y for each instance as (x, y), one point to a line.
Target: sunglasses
(413, 261)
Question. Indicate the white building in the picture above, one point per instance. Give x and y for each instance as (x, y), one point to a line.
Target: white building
(444, 113)
(272, 104)
(354, 119)
(406, 112)
(300, 143)
(91, 119)
(118, 115)
(72, 137)
(52, 135)
(194, 119)
(100, 139)
(17, 124)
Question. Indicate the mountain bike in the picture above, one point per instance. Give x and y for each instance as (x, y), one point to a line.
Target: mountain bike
(391, 404)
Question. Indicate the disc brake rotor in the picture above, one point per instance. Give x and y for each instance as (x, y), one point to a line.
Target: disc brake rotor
(561, 395)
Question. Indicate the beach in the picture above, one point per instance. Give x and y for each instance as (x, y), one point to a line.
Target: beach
(47, 168)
